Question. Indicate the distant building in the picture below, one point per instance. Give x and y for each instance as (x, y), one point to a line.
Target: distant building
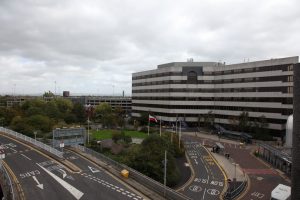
(189, 91)
(66, 93)
(114, 101)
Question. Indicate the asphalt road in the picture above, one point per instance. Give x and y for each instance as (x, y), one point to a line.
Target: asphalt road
(43, 178)
(209, 182)
(263, 178)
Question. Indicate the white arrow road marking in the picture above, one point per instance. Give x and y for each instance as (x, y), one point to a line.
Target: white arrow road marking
(93, 170)
(75, 192)
(37, 182)
(63, 172)
(25, 156)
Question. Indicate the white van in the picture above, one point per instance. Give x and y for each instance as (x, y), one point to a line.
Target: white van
(281, 192)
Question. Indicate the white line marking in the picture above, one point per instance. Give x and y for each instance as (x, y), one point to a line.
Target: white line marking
(196, 161)
(14, 151)
(204, 194)
(93, 170)
(25, 156)
(75, 192)
(63, 172)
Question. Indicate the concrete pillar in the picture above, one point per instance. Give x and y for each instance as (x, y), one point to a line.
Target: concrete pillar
(296, 135)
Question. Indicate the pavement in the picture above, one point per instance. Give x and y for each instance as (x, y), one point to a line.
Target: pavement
(42, 177)
(233, 170)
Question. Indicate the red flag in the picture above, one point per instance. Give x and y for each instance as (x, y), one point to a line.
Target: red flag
(152, 119)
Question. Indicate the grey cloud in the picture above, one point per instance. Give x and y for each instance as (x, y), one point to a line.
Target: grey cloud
(88, 46)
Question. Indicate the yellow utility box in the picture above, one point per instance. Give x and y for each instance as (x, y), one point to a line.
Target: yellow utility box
(125, 173)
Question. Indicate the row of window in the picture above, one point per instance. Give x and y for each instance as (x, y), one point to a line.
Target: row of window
(216, 116)
(282, 89)
(223, 81)
(288, 100)
(228, 108)
(287, 67)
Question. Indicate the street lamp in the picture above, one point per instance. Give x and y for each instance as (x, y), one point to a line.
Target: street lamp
(35, 132)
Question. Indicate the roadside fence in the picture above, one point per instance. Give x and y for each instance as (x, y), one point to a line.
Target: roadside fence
(32, 141)
(232, 193)
(167, 192)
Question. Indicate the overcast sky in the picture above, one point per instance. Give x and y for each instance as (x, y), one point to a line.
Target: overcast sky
(92, 47)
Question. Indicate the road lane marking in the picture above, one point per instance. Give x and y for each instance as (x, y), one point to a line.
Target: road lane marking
(204, 194)
(111, 186)
(75, 192)
(30, 174)
(63, 173)
(93, 170)
(41, 186)
(196, 161)
(25, 156)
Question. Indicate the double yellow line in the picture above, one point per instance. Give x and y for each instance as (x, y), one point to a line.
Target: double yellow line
(223, 172)
(15, 181)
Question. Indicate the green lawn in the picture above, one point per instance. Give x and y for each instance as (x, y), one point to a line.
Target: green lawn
(107, 134)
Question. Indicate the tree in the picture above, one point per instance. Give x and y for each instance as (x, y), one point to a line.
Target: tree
(143, 119)
(105, 114)
(119, 116)
(200, 119)
(21, 125)
(51, 110)
(48, 94)
(64, 105)
(209, 119)
(40, 122)
(244, 122)
(79, 112)
(260, 130)
(148, 159)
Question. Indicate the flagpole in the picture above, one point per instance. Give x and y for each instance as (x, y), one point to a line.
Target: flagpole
(148, 124)
(160, 127)
(179, 135)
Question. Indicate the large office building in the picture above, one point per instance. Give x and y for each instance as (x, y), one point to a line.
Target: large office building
(188, 91)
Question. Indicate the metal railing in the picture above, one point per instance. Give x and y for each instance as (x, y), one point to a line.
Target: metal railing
(32, 141)
(232, 194)
(167, 192)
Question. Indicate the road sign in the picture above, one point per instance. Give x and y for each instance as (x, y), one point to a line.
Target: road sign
(62, 145)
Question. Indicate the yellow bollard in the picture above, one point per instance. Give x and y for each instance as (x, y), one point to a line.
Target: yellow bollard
(125, 173)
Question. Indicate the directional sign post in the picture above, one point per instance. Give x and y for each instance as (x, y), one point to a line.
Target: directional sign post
(62, 145)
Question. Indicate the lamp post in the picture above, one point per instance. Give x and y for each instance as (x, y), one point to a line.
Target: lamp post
(165, 172)
(35, 132)
(179, 134)
(235, 164)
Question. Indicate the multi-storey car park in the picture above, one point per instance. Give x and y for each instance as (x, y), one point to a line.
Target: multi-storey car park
(114, 101)
(188, 91)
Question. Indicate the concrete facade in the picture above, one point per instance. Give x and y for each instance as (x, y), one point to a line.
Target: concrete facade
(261, 88)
